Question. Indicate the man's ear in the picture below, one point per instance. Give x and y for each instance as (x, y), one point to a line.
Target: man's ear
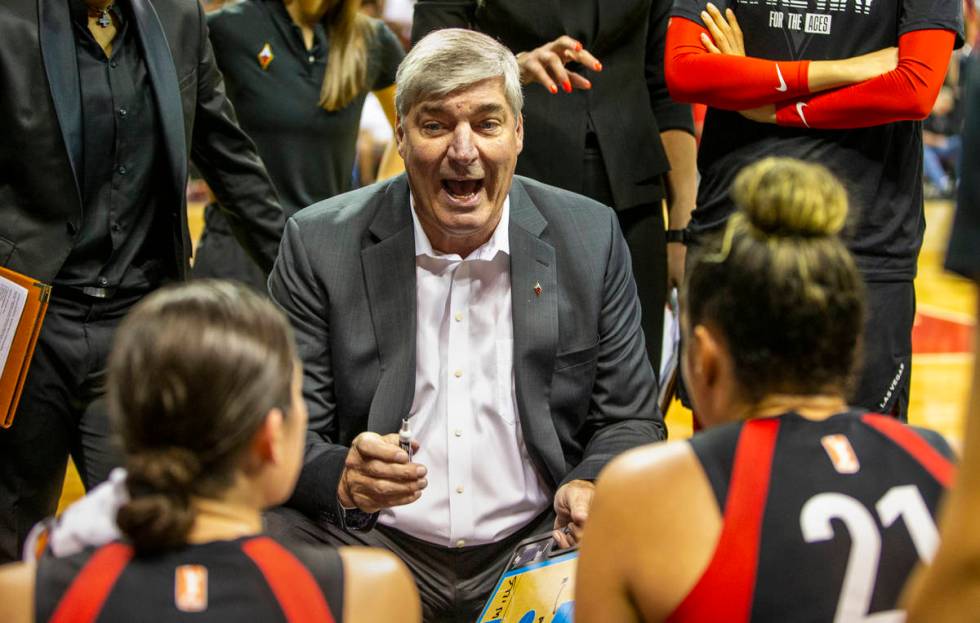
(400, 135)
(519, 131)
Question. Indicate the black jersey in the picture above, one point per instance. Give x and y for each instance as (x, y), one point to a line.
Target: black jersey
(249, 579)
(823, 521)
(881, 166)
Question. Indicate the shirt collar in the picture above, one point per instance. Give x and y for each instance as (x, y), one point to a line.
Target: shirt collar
(499, 242)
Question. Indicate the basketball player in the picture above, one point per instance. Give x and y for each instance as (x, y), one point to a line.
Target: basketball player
(793, 506)
(204, 387)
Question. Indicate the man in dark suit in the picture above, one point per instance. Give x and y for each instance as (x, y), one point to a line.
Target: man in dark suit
(494, 314)
(599, 119)
(102, 105)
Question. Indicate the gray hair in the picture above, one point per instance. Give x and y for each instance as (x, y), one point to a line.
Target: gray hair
(452, 59)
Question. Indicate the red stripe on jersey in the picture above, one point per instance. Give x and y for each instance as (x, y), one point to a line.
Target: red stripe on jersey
(298, 593)
(725, 591)
(938, 466)
(88, 591)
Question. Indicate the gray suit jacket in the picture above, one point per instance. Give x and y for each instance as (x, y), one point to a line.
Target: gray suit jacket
(345, 276)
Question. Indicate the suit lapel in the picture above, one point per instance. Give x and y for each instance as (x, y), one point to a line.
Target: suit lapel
(389, 274)
(163, 75)
(534, 302)
(61, 66)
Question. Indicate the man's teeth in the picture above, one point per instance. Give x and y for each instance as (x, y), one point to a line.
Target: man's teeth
(462, 188)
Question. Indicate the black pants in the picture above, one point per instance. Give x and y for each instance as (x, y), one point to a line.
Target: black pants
(886, 372)
(62, 411)
(454, 583)
(643, 229)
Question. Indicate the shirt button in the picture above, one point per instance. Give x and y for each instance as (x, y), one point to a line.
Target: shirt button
(458, 432)
(460, 543)
(123, 112)
(122, 169)
(459, 489)
(312, 58)
(113, 64)
(103, 281)
(458, 373)
(116, 227)
(459, 316)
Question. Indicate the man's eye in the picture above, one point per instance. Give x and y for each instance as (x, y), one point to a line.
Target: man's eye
(489, 124)
(431, 126)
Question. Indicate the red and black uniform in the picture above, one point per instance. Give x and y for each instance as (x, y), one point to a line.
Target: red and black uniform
(249, 579)
(821, 519)
(863, 133)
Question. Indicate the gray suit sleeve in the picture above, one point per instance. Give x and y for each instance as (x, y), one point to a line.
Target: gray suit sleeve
(295, 288)
(624, 412)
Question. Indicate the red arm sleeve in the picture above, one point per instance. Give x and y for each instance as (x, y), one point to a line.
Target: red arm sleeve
(724, 81)
(905, 93)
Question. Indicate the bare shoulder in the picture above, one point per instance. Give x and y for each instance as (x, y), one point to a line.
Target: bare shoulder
(378, 587)
(651, 467)
(661, 521)
(17, 592)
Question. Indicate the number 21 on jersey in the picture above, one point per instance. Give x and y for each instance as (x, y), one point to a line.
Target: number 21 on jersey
(903, 502)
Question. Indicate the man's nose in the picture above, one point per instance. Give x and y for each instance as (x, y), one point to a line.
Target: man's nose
(463, 148)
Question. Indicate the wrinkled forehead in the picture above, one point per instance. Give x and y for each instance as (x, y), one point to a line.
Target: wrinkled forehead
(487, 96)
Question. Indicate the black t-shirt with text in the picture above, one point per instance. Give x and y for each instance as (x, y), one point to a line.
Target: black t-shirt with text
(880, 166)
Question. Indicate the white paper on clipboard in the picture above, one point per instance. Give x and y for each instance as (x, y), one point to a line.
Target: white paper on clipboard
(670, 350)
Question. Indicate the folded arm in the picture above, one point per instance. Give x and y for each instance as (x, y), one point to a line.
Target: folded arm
(707, 64)
(905, 93)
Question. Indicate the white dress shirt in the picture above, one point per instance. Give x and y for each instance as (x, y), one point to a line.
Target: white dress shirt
(482, 485)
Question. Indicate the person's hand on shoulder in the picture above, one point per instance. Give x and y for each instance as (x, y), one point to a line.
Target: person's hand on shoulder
(378, 474)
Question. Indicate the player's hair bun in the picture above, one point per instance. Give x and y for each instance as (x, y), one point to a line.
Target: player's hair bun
(787, 198)
(159, 513)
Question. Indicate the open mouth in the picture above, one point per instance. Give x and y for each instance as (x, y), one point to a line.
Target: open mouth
(462, 189)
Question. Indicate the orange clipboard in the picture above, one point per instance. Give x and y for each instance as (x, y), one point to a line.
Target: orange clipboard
(13, 368)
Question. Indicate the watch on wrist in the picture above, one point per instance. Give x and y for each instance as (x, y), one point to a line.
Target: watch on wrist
(679, 236)
(356, 519)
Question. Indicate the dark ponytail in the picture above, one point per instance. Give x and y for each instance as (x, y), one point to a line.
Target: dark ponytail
(159, 513)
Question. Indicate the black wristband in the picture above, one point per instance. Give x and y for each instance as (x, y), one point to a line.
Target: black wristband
(677, 235)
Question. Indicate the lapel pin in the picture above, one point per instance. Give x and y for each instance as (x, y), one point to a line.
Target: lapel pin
(537, 289)
(265, 56)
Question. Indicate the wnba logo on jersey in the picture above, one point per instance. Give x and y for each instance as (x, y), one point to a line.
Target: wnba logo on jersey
(841, 454)
(191, 588)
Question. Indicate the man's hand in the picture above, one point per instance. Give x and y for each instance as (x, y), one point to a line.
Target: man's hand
(572, 502)
(726, 36)
(377, 474)
(547, 65)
